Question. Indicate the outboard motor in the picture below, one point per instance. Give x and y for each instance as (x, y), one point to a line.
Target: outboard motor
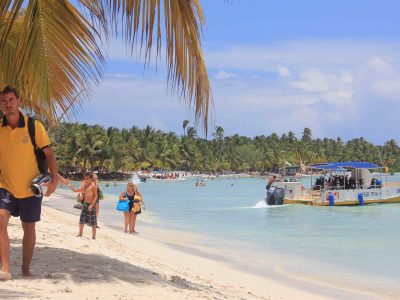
(275, 196)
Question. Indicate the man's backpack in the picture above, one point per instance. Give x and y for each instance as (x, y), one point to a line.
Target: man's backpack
(40, 156)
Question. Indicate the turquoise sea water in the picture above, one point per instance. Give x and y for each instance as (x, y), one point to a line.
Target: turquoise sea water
(349, 247)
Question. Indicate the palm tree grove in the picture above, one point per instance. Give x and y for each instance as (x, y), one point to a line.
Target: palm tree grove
(94, 147)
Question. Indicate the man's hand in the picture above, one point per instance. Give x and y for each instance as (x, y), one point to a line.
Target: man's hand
(51, 187)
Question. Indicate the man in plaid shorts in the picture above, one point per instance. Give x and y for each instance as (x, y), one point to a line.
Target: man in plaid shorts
(90, 196)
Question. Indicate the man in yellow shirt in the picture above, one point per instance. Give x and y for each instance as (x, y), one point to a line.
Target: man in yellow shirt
(18, 166)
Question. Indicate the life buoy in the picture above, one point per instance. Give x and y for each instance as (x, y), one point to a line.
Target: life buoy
(335, 195)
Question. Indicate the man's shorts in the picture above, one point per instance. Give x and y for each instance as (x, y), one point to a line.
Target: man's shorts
(28, 209)
(88, 217)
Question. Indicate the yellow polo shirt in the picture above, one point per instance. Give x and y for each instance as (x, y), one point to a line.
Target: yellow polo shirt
(18, 165)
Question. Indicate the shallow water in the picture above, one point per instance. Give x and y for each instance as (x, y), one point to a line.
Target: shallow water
(356, 247)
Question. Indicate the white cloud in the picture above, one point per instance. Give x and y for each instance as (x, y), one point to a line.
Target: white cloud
(379, 65)
(383, 78)
(224, 75)
(389, 88)
(329, 54)
(332, 87)
(118, 51)
(126, 101)
(283, 71)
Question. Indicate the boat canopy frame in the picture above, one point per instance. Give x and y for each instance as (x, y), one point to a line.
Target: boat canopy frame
(341, 167)
(332, 166)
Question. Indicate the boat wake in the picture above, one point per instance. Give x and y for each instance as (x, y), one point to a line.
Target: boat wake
(262, 204)
(135, 178)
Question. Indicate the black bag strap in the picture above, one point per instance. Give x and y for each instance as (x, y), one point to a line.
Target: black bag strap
(31, 129)
(40, 156)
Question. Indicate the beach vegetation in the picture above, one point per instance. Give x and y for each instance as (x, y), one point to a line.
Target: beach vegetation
(82, 146)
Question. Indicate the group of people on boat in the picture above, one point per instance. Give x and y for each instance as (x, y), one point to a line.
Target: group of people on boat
(171, 175)
(343, 182)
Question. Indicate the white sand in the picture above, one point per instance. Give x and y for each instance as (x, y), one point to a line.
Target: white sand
(123, 266)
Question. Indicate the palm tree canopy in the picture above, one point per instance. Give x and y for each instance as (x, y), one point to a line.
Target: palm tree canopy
(50, 49)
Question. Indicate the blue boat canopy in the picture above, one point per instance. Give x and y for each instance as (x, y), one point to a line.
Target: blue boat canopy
(345, 165)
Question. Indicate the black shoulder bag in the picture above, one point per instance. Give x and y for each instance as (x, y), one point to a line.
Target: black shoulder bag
(40, 156)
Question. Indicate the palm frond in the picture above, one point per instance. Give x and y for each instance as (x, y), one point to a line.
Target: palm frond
(140, 20)
(55, 58)
(9, 11)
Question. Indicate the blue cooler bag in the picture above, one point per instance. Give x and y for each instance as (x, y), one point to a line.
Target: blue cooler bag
(123, 205)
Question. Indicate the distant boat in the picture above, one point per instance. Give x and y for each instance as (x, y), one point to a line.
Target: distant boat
(168, 179)
(339, 183)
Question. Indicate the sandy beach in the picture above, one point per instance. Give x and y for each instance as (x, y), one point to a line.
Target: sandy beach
(123, 266)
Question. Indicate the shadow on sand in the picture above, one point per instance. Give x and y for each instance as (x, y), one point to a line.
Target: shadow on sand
(57, 264)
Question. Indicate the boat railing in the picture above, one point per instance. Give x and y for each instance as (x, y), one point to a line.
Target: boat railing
(311, 194)
(391, 184)
(315, 195)
(335, 187)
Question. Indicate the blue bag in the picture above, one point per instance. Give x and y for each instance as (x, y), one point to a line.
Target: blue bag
(123, 205)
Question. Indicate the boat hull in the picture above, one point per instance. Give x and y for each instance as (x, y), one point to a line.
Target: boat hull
(296, 194)
(341, 203)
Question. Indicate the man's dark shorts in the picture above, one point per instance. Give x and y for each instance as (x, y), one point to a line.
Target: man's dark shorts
(28, 209)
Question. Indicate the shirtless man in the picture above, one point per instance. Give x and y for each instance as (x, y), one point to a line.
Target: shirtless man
(270, 182)
(90, 196)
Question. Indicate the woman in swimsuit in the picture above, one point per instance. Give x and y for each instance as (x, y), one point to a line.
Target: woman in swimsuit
(135, 204)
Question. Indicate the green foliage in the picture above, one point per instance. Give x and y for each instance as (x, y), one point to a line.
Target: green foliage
(93, 147)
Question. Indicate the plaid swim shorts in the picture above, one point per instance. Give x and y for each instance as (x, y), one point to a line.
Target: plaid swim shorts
(88, 217)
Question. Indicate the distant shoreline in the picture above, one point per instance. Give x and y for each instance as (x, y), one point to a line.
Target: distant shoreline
(124, 176)
(109, 176)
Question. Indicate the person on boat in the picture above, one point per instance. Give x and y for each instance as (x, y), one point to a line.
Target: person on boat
(270, 182)
(136, 202)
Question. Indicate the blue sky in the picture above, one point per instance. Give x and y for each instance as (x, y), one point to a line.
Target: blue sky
(274, 66)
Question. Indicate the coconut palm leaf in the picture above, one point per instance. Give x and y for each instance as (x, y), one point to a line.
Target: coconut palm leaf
(137, 19)
(9, 11)
(55, 58)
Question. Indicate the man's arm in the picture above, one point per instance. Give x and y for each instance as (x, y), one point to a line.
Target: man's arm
(52, 164)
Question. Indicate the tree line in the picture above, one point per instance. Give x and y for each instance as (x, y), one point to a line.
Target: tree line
(82, 146)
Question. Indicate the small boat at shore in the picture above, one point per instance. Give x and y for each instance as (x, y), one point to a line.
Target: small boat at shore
(168, 179)
(339, 183)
